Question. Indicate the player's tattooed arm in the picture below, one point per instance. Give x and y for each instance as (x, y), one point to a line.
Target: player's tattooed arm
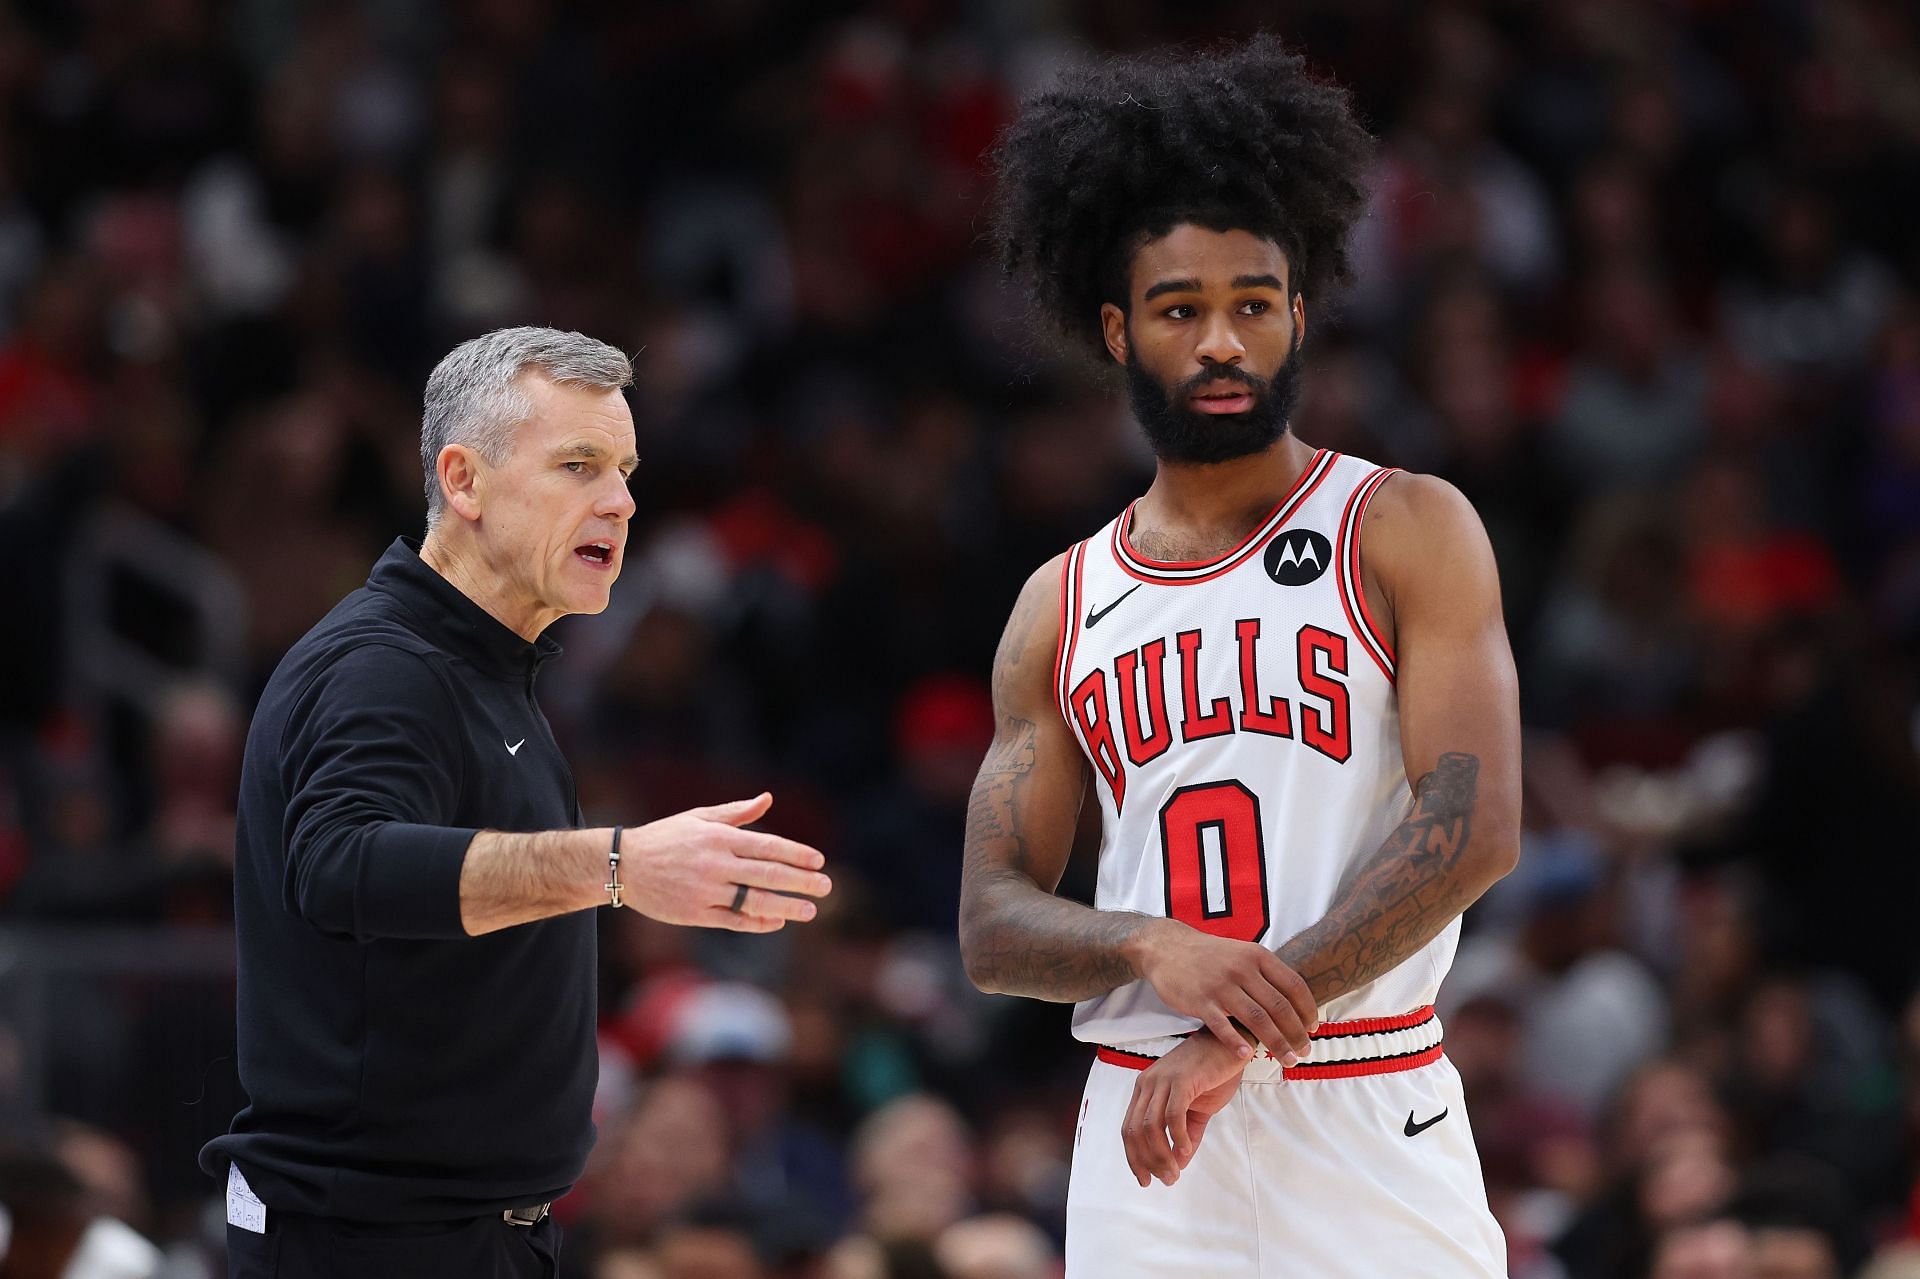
(1398, 900)
(1429, 562)
(1016, 936)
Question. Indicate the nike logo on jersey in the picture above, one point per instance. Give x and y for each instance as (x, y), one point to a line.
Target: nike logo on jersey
(1414, 1130)
(515, 748)
(1298, 556)
(1093, 618)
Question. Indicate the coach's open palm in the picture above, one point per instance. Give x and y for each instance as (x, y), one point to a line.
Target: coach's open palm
(688, 869)
(1173, 1102)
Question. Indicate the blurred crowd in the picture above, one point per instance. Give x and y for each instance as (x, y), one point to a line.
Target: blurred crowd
(1641, 277)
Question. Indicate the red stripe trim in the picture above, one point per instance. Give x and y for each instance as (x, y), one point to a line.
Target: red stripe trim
(1307, 1069)
(1079, 598)
(1117, 1057)
(1293, 488)
(1060, 641)
(1142, 569)
(1370, 1066)
(1340, 571)
(1413, 1019)
(1374, 1025)
(1359, 583)
(1077, 559)
(1346, 566)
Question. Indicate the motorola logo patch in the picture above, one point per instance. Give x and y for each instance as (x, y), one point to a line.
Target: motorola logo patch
(1298, 556)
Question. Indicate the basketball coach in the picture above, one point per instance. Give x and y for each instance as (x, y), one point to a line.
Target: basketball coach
(412, 883)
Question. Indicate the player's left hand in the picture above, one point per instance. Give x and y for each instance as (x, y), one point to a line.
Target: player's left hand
(1173, 1102)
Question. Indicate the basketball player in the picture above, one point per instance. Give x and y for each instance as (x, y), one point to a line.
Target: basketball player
(1283, 677)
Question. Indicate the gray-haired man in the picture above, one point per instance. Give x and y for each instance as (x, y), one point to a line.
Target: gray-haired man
(411, 883)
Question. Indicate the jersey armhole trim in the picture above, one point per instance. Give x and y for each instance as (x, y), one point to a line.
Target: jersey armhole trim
(1346, 566)
(1070, 584)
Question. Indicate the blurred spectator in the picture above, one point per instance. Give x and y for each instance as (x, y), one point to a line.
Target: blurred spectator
(56, 1219)
(1614, 639)
(1896, 1261)
(1714, 1250)
(707, 1244)
(1633, 410)
(1444, 190)
(941, 730)
(1803, 1082)
(1817, 307)
(1803, 1219)
(1588, 1013)
(666, 1153)
(269, 514)
(1536, 1152)
(996, 1246)
(1666, 1165)
(914, 1166)
(736, 1042)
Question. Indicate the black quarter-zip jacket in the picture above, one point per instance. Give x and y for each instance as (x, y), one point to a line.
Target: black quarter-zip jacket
(397, 1069)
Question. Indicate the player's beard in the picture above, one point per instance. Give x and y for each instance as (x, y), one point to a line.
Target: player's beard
(1178, 434)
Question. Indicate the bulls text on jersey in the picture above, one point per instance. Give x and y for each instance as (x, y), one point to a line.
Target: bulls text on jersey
(1127, 712)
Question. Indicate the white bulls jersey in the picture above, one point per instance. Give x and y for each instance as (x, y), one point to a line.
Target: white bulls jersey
(1244, 733)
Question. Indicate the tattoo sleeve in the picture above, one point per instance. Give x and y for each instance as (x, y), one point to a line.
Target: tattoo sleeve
(1016, 935)
(1396, 901)
(1045, 947)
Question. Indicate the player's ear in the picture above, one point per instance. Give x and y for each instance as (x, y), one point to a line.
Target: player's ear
(459, 469)
(1299, 321)
(1113, 327)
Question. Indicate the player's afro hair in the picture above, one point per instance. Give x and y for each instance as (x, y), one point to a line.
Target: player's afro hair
(1120, 152)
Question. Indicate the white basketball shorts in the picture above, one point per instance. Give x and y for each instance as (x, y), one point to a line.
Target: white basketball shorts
(1355, 1164)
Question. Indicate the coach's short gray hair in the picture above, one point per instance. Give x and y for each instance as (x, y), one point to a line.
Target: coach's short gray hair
(474, 397)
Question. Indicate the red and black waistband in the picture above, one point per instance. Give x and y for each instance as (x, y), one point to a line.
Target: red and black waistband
(1340, 1049)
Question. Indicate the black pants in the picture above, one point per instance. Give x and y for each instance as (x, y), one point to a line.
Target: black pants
(301, 1247)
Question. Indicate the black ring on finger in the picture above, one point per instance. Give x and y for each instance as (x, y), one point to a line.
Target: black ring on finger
(739, 898)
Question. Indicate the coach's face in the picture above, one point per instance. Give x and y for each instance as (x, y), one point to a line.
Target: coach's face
(1208, 338)
(552, 526)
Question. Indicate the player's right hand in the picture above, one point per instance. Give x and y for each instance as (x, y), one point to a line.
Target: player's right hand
(1173, 1101)
(1221, 981)
(687, 869)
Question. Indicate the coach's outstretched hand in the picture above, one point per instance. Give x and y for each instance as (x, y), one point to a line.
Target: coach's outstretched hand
(688, 868)
(1173, 1102)
(1221, 981)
